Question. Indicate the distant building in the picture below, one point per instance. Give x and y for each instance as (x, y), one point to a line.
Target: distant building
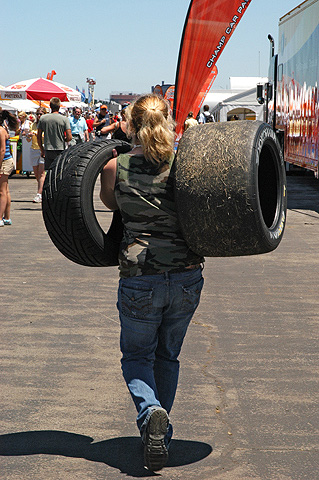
(122, 98)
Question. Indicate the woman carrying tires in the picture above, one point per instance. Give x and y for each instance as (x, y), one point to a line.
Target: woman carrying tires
(160, 277)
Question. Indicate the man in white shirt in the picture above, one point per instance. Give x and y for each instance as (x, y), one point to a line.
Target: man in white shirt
(205, 116)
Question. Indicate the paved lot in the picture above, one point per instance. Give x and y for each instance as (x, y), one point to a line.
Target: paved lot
(247, 404)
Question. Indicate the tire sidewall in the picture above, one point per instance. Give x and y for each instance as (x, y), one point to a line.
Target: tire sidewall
(92, 170)
(266, 138)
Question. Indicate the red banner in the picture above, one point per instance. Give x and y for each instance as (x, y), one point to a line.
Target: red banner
(205, 89)
(208, 27)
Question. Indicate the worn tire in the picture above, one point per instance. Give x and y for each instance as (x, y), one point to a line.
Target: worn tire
(231, 189)
(67, 205)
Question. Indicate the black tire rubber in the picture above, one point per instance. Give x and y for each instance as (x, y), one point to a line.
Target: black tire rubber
(231, 189)
(67, 205)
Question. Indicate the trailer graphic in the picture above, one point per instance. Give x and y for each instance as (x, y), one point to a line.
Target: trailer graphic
(291, 94)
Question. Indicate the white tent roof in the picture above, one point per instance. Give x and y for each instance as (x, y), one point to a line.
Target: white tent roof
(67, 105)
(238, 85)
(20, 105)
(8, 106)
(30, 106)
(215, 96)
(244, 100)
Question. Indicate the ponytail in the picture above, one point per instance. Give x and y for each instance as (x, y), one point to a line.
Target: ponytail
(150, 122)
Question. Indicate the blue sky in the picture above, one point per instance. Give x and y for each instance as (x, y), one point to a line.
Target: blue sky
(128, 45)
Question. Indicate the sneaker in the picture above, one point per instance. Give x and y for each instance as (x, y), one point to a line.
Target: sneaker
(37, 198)
(155, 450)
(1, 223)
(7, 222)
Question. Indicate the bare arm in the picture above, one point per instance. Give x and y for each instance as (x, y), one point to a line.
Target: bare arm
(3, 138)
(97, 122)
(109, 128)
(108, 177)
(68, 135)
(39, 138)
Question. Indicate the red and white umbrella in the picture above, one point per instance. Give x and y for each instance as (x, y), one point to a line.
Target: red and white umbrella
(39, 89)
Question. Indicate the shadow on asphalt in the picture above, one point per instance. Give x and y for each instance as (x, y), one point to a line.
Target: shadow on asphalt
(123, 453)
(303, 193)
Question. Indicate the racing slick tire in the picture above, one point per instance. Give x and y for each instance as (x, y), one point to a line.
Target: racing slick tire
(231, 189)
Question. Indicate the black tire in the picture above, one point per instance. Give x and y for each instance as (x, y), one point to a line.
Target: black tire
(67, 205)
(231, 189)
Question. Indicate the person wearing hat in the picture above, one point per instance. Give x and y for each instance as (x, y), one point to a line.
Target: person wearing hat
(101, 120)
(190, 121)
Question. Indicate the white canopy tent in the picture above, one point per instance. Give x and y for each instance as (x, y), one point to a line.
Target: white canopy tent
(8, 106)
(242, 104)
(31, 106)
(215, 96)
(70, 105)
(20, 105)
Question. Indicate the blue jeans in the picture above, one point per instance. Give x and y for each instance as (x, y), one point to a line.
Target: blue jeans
(155, 311)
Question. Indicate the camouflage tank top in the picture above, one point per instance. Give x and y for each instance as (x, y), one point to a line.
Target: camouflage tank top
(152, 241)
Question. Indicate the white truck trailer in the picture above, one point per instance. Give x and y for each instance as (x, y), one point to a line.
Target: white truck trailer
(291, 103)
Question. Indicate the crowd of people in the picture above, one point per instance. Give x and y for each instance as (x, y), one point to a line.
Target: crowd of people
(49, 134)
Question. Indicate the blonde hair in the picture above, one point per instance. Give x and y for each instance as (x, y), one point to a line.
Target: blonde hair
(149, 121)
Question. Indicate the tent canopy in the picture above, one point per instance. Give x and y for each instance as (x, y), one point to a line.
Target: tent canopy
(39, 89)
(240, 103)
(8, 106)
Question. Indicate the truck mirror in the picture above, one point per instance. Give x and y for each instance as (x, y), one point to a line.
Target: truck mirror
(260, 94)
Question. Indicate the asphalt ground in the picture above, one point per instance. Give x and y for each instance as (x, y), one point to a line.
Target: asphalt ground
(247, 402)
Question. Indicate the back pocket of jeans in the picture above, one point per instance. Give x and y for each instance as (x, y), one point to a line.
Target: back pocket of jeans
(136, 303)
(191, 296)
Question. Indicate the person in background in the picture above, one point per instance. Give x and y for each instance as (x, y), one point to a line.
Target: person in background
(79, 128)
(101, 120)
(205, 116)
(31, 118)
(190, 121)
(89, 122)
(7, 121)
(117, 129)
(24, 124)
(161, 278)
(57, 131)
(37, 161)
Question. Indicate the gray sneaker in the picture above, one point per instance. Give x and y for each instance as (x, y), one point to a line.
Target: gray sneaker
(155, 450)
